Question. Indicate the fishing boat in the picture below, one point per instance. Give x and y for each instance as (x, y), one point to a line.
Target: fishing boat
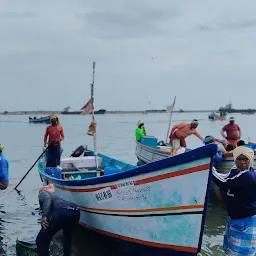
(25, 248)
(217, 115)
(248, 113)
(35, 120)
(159, 207)
(68, 111)
(148, 150)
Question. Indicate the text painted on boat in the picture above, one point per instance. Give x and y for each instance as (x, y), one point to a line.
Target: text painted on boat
(125, 184)
(132, 194)
(103, 195)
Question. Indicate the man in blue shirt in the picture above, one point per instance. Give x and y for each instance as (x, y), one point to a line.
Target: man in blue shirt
(240, 187)
(219, 155)
(4, 170)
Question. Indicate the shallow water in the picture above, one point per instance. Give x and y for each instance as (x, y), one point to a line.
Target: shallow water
(19, 215)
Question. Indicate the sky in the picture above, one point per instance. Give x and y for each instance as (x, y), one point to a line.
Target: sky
(146, 52)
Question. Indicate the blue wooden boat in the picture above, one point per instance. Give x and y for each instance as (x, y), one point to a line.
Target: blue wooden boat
(45, 119)
(217, 115)
(159, 207)
(148, 150)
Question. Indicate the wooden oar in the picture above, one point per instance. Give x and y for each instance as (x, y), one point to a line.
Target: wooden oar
(31, 167)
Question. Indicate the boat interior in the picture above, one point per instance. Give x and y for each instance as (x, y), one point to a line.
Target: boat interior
(152, 142)
(84, 166)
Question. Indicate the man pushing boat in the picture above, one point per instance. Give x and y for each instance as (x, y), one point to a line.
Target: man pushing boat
(56, 214)
(183, 130)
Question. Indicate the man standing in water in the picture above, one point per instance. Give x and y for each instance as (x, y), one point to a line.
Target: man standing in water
(183, 130)
(140, 130)
(55, 134)
(233, 132)
(56, 214)
(4, 170)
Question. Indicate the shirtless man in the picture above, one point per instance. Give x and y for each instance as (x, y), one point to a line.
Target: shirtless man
(183, 130)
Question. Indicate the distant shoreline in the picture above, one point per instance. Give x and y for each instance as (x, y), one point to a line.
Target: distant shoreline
(98, 112)
(45, 112)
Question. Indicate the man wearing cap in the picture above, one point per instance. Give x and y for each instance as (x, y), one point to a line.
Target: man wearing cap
(4, 170)
(231, 132)
(140, 130)
(183, 130)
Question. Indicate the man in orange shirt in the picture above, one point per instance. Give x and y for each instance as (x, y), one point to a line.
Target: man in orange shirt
(183, 130)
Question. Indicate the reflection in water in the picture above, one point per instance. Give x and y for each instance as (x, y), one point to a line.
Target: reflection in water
(2, 251)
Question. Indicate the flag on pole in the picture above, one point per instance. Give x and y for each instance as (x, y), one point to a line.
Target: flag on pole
(170, 108)
(92, 128)
(87, 108)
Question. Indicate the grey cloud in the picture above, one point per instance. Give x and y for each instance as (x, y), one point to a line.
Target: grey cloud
(228, 25)
(239, 24)
(133, 23)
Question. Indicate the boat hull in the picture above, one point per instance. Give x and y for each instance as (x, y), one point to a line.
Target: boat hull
(217, 118)
(44, 120)
(147, 154)
(161, 205)
(97, 112)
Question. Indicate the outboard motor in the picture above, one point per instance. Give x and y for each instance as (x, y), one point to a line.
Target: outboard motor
(161, 143)
(78, 152)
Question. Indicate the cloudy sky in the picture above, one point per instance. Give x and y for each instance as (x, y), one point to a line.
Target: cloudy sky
(201, 51)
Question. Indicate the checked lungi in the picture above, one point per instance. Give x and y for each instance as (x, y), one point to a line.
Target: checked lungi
(240, 237)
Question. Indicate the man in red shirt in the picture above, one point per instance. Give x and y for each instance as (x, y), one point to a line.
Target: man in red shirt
(231, 132)
(55, 134)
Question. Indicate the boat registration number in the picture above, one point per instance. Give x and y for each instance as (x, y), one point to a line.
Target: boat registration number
(103, 195)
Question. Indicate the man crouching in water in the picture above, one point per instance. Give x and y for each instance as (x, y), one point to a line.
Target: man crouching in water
(56, 214)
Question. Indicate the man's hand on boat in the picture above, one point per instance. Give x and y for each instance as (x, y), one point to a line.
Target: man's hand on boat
(44, 223)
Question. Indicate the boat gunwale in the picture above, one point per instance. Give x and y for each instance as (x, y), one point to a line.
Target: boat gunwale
(190, 156)
(226, 154)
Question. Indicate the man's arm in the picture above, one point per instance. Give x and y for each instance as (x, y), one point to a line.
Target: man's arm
(197, 134)
(241, 179)
(46, 135)
(240, 132)
(62, 134)
(222, 132)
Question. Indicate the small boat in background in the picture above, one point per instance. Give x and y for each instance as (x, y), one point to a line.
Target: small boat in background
(248, 113)
(217, 115)
(45, 119)
(25, 248)
(68, 111)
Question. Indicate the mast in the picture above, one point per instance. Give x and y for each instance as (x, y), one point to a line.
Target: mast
(170, 119)
(93, 119)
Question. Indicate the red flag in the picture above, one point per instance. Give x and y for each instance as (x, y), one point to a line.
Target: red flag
(87, 108)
